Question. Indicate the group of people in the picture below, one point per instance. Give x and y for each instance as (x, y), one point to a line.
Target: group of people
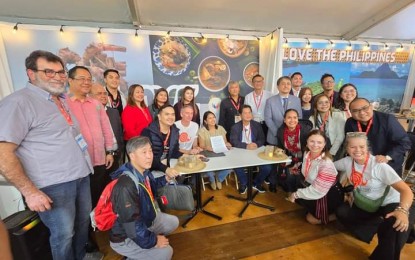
(61, 147)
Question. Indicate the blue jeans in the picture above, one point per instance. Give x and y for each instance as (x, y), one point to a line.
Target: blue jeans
(264, 171)
(221, 175)
(68, 220)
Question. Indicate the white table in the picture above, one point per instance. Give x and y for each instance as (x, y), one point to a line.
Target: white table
(235, 158)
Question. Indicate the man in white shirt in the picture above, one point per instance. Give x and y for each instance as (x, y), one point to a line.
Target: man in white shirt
(188, 131)
(257, 99)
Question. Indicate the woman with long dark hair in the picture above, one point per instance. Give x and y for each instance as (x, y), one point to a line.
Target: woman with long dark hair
(347, 93)
(187, 98)
(161, 98)
(292, 137)
(331, 122)
(136, 115)
(208, 130)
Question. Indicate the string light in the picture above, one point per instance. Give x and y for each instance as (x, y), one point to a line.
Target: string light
(99, 31)
(332, 44)
(15, 28)
(136, 33)
(61, 30)
(386, 47)
(285, 44)
(201, 36)
(227, 36)
(349, 46)
(367, 46)
(308, 45)
(272, 36)
(400, 47)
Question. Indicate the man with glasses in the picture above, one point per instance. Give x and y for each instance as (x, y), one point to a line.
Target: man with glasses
(327, 83)
(96, 129)
(257, 99)
(99, 93)
(388, 139)
(43, 154)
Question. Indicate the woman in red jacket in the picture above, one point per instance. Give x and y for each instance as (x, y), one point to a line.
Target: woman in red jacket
(136, 115)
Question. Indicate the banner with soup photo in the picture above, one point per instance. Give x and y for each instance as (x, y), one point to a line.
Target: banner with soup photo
(208, 65)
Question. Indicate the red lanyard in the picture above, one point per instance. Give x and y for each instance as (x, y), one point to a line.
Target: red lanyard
(326, 117)
(236, 105)
(148, 187)
(357, 177)
(248, 134)
(308, 164)
(259, 102)
(369, 125)
(65, 113)
(167, 138)
(348, 113)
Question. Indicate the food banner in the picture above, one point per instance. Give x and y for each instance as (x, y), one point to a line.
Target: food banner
(205, 64)
(379, 74)
(153, 61)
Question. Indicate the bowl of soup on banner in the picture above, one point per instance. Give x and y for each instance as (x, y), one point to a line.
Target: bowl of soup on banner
(251, 69)
(171, 56)
(214, 73)
(232, 48)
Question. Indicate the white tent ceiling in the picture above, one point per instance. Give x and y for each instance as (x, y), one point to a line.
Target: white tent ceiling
(353, 19)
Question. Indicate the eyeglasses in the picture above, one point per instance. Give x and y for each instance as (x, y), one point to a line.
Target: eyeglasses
(84, 80)
(329, 82)
(356, 134)
(103, 93)
(51, 73)
(363, 109)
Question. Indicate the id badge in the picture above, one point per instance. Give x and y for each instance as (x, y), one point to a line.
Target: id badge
(81, 142)
(237, 118)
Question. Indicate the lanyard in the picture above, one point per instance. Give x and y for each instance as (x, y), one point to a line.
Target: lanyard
(369, 125)
(148, 187)
(236, 105)
(65, 113)
(258, 104)
(326, 117)
(308, 164)
(357, 177)
(145, 114)
(167, 138)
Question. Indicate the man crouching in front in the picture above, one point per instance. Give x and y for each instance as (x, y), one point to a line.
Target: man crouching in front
(140, 229)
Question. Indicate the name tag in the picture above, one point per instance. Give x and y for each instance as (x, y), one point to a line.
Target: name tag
(81, 142)
(237, 118)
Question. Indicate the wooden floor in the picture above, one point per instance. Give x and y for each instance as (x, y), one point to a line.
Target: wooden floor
(262, 234)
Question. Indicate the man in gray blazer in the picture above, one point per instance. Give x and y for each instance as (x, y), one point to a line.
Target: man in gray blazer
(276, 106)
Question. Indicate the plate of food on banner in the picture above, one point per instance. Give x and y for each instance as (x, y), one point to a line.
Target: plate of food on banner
(214, 73)
(232, 48)
(171, 56)
(251, 69)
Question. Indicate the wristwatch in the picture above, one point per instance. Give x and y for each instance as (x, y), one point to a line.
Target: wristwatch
(110, 152)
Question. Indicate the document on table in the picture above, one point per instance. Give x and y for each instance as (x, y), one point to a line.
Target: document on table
(218, 144)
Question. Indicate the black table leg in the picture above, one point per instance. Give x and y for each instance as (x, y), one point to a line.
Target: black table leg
(250, 197)
(199, 205)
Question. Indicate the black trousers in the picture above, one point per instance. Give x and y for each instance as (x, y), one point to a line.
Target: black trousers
(365, 225)
(98, 181)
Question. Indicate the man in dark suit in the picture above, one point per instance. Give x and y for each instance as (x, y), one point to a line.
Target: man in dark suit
(388, 139)
(99, 93)
(248, 134)
(230, 108)
(276, 107)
